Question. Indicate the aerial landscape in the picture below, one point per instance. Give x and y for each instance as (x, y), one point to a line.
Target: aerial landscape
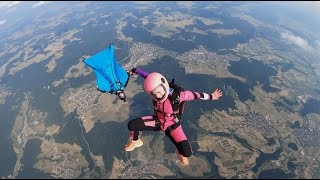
(264, 56)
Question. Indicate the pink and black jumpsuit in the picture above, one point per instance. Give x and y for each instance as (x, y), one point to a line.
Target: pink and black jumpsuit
(163, 119)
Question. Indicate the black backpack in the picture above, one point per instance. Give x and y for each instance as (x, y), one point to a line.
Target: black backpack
(178, 108)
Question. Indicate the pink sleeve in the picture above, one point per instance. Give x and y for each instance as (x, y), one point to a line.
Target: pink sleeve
(190, 95)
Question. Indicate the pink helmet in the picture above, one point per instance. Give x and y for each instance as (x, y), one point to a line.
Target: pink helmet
(154, 80)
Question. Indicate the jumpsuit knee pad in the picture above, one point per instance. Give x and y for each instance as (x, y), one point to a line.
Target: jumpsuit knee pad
(185, 148)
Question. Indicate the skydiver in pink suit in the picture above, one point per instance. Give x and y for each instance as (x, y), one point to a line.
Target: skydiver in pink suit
(166, 115)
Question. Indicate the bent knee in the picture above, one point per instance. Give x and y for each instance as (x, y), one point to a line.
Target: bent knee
(134, 124)
(187, 153)
(185, 149)
(131, 125)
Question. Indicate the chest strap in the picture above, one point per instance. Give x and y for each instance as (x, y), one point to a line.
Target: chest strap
(163, 113)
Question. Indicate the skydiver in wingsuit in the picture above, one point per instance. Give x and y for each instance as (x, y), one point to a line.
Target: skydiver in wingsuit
(168, 100)
(111, 77)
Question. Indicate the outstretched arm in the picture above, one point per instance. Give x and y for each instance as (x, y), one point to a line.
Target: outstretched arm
(190, 95)
(139, 71)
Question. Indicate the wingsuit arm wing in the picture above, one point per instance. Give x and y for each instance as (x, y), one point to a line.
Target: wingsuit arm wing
(121, 74)
(101, 83)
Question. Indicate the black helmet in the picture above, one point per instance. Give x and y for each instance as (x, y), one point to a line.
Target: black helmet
(121, 95)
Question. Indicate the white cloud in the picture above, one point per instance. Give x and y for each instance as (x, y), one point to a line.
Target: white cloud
(3, 21)
(40, 3)
(8, 4)
(296, 40)
(317, 42)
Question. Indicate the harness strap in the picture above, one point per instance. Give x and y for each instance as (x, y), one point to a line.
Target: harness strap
(157, 123)
(164, 117)
(165, 114)
(118, 82)
(173, 126)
